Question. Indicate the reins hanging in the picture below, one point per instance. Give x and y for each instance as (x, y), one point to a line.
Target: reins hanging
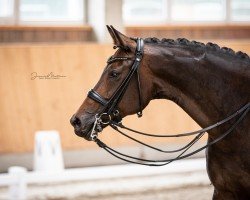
(187, 133)
(155, 148)
(141, 161)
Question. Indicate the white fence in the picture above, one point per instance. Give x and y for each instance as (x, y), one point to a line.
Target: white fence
(173, 175)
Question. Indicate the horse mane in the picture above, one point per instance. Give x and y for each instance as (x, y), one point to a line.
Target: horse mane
(195, 44)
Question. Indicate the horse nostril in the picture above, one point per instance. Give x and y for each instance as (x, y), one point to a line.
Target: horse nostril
(75, 121)
(78, 122)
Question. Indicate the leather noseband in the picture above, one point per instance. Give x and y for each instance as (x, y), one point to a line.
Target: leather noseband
(97, 97)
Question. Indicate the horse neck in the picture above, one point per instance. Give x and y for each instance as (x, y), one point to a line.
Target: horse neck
(208, 87)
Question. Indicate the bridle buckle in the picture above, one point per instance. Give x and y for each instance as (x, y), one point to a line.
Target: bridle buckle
(116, 113)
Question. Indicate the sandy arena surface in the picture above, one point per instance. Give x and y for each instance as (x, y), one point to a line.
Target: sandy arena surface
(187, 193)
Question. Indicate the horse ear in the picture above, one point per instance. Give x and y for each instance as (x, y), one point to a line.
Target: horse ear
(120, 39)
(112, 34)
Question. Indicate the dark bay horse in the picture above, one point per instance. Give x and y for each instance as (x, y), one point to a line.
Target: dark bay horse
(206, 81)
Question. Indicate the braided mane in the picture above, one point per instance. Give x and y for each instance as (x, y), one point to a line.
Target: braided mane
(208, 46)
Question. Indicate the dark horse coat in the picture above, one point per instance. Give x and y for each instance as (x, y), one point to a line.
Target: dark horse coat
(208, 82)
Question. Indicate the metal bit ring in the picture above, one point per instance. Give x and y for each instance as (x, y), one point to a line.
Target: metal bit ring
(105, 122)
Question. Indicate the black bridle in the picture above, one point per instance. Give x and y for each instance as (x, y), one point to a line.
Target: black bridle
(109, 110)
(110, 106)
(110, 115)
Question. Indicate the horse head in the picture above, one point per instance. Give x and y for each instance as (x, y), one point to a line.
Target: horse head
(108, 100)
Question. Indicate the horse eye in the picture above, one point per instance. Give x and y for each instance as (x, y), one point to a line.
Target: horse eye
(113, 74)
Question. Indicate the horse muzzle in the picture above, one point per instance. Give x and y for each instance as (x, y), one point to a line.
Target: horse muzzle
(82, 126)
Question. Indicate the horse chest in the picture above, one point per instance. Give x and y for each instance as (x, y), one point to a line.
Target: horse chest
(229, 172)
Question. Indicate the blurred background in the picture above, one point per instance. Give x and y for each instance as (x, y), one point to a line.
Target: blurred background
(53, 52)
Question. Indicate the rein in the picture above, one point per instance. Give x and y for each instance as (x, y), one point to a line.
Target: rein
(110, 116)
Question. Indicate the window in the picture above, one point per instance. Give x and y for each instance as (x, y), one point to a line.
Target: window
(240, 10)
(198, 10)
(148, 11)
(6, 11)
(174, 11)
(6, 8)
(42, 12)
(51, 11)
